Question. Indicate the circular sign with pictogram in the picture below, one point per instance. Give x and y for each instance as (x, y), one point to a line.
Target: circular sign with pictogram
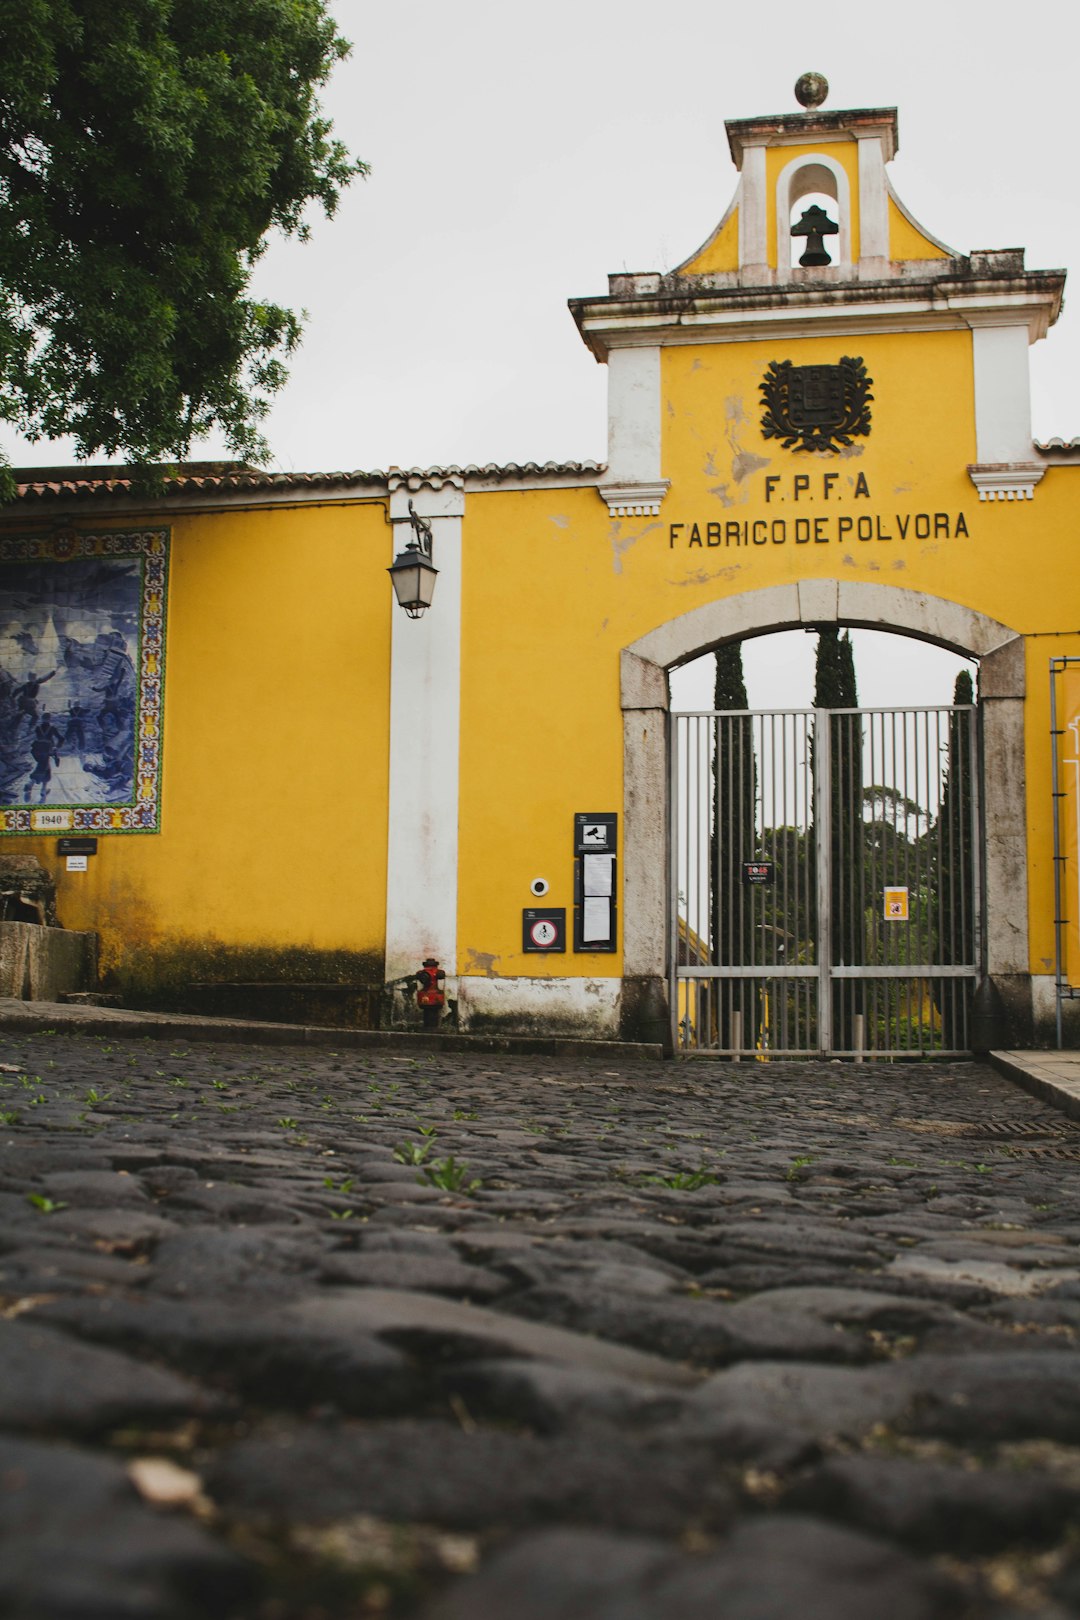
(543, 929)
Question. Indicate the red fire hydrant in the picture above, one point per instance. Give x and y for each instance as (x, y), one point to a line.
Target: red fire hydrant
(430, 995)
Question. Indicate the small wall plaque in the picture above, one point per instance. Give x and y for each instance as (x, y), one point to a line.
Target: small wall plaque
(76, 846)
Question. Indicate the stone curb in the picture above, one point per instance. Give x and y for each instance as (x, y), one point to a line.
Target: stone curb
(32, 1017)
(1054, 1077)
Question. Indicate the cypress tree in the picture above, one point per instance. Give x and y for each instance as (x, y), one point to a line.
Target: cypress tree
(835, 688)
(955, 864)
(733, 838)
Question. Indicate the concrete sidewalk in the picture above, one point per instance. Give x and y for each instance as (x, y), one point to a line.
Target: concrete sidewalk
(30, 1017)
(1052, 1076)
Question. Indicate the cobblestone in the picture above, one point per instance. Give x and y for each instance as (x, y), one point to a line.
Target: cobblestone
(464, 1336)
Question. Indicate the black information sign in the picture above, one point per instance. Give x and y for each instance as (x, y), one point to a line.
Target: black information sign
(543, 929)
(758, 872)
(76, 846)
(595, 885)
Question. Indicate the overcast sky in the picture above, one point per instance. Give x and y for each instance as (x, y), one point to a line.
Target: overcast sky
(519, 154)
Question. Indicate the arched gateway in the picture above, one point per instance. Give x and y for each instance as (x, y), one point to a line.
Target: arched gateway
(654, 961)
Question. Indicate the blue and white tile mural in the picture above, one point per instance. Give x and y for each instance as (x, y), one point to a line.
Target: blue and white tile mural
(82, 648)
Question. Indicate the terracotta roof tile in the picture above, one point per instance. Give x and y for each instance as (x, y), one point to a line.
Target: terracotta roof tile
(223, 478)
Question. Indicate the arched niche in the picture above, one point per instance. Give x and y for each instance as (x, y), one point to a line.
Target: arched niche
(813, 174)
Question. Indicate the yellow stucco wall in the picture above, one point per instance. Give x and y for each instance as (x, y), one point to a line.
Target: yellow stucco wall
(720, 253)
(541, 729)
(273, 832)
(553, 589)
(906, 240)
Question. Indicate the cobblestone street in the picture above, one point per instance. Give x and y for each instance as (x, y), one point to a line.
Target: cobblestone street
(296, 1334)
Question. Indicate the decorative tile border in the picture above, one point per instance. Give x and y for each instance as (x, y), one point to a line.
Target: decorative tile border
(143, 665)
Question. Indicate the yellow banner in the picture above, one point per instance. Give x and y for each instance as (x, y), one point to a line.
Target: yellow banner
(1068, 711)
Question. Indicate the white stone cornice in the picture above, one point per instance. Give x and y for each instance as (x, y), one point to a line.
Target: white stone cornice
(686, 311)
(634, 500)
(814, 312)
(1006, 480)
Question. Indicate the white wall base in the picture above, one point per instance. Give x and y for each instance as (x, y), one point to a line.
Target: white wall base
(585, 1008)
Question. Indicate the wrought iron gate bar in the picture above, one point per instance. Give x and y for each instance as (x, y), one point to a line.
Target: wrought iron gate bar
(928, 970)
(824, 880)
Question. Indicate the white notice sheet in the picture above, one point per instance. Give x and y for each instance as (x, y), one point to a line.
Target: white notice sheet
(596, 920)
(596, 874)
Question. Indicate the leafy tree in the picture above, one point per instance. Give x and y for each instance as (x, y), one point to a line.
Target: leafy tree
(146, 149)
(733, 838)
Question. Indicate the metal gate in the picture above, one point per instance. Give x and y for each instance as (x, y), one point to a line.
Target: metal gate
(825, 881)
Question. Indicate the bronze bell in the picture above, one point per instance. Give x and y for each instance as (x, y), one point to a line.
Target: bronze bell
(815, 225)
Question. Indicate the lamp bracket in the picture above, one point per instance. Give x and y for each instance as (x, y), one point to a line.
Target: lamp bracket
(421, 528)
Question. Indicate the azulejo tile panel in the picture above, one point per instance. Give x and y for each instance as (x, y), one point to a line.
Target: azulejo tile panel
(82, 678)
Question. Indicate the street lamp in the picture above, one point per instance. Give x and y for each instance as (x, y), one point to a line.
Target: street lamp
(412, 571)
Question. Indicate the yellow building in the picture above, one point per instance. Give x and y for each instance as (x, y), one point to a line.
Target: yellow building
(288, 782)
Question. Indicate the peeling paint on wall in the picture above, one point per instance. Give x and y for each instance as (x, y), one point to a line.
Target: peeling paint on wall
(481, 963)
(746, 463)
(621, 544)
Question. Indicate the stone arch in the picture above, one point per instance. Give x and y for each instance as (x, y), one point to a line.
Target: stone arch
(645, 703)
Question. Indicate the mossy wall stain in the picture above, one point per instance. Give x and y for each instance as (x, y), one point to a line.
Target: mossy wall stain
(291, 983)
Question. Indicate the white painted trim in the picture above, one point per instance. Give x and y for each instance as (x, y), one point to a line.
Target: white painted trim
(635, 500)
(753, 220)
(873, 202)
(1013, 481)
(787, 193)
(1002, 394)
(425, 705)
(634, 416)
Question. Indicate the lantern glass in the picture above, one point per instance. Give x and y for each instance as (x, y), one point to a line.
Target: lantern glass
(414, 577)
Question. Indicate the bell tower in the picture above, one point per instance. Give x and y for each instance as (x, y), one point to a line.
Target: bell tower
(816, 243)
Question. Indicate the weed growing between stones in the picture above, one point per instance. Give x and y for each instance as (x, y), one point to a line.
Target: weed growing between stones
(45, 1206)
(450, 1176)
(412, 1152)
(686, 1180)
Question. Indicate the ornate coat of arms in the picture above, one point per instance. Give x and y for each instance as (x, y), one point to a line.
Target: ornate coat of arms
(816, 407)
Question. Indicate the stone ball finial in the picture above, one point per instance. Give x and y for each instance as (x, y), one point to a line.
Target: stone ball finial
(811, 89)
